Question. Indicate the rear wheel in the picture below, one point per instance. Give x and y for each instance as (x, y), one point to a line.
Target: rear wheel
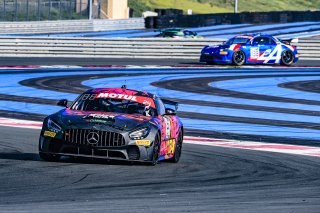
(178, 148)
(156, 150)
(287, 57)
(238, 58)
(49, 157)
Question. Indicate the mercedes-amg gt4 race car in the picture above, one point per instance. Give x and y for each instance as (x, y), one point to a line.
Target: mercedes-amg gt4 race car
(114, 123)
(251, 49)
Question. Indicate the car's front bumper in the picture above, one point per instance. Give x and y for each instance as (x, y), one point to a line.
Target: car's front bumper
(62, 146)
(215, 58)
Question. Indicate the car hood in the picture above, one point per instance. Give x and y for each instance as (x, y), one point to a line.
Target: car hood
(212, 47)
(101, 120)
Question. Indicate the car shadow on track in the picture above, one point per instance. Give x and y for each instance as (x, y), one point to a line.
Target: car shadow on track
(36, 157)
(19, 156)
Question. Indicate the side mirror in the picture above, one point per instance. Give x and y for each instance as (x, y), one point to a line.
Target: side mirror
(170, 111)
(63, 103)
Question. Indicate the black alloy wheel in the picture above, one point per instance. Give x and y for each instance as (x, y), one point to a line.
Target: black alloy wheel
(178, 149)
(238, 58)
(287, 57)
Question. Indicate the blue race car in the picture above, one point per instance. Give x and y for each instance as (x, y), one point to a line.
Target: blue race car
(251, 49)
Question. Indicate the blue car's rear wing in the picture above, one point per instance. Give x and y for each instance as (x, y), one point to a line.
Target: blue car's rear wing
(289, 40)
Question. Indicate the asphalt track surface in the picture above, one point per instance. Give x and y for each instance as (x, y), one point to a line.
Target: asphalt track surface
(207, 179)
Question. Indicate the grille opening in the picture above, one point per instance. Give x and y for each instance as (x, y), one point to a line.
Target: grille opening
(70, 150)
(133, 153)
(101, 153)
(94, 138)
(116, 154)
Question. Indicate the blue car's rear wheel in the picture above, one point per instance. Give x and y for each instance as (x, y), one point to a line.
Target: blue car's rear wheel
(287, 57)
(238, 58)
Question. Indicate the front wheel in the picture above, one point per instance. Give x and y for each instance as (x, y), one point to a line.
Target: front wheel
(178, 148)
(287, 57)
(238, 58)
(156, 150)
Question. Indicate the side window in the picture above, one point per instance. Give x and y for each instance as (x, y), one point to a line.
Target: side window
(271, 41)
(256, 40)
(160, 106)
(190, 33)
(263, 41)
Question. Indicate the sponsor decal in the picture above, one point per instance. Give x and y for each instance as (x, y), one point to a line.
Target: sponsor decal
(171, 146)
(167, 127)
(143, 142)
(49, 134)
(254, 52)
(117, 96)
(97, 121)
(99, 117)
(139, 99)
(88, 97)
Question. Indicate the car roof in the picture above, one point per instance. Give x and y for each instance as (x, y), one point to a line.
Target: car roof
(252, 35)
(124, 91)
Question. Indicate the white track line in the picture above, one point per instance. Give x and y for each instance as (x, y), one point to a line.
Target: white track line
(259, 146)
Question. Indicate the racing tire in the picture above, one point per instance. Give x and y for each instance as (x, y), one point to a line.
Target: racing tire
(178, 149)
(238, 58)
(287, 57)
(156, 150)
(49, 157)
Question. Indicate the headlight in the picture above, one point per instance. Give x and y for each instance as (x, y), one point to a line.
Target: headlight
(139, 134)
(53, 125)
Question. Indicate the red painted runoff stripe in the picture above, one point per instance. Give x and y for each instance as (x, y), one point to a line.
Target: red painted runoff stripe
(259, 146)
(20, 123)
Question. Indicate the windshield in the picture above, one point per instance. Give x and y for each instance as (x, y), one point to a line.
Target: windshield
(237, 40)
(92, 102)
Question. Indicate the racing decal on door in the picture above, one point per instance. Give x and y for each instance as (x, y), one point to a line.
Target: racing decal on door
(169, 136)
(267, 56)
(254, 52)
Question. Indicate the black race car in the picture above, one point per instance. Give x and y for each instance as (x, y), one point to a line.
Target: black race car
(113, 123)
(177, 33)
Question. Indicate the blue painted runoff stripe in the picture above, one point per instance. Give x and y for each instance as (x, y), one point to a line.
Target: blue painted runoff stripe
(145, 81)
(239, 128)
(11, 86)
(269, 86)
(248, 113)
(217, 27)
(251, 129)
(29, 107)
(259, 28)
(300, 34)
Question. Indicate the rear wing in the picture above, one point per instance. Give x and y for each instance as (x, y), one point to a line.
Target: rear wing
(170, 103)
(289, 40)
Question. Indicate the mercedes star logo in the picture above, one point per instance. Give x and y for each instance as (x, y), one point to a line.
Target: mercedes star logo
(93, 138)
